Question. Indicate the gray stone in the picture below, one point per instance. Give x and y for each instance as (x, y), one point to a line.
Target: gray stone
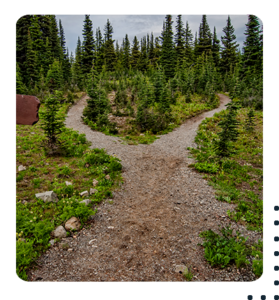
(85, 201)
(92, 191)
(95, 182)
(72, 224)
(84, 193)
(60, 232)
(107, 177)
(21, 168)
(52, 242)
(48, 196)
(181, 269)
(68, 183)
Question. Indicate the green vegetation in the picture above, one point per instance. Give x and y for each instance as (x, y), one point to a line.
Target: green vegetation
(237, 178)
(44, 172)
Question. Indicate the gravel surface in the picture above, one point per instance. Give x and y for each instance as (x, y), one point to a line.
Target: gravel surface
(154, 222)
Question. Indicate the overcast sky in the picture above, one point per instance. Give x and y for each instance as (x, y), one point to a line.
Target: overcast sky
(140, 25)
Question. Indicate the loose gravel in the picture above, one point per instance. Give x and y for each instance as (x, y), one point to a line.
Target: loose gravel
(152, 224)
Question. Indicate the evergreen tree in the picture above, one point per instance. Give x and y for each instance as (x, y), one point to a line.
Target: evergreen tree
(31, 63)
(52, 124)
(110, 56)
(37, 40)
(252, 45)
(88, 45)
(215, 48)
(179, 41)
(135, 55)
(20, 87)
(126, 53)
(143, 59)
(22, 28)
(54, 38)
(229, 57)
(205, 37)
(250, 121)
(188, 45)
(99, 39)
(54, 76)
(62, 39)
(229, 133)
(77, 67)
(151, 52)
(167, 58)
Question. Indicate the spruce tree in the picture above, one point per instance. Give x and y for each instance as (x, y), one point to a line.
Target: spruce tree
(188, 45)
(205, 37)
(250, 121)
(151, 52)
(135, 55)
(20, 87)
(54, 76)
(110, 56)
(179, 39)
(22, 28)
(143, 59)
(229, 134)
(215, 48)
(167, 57)
(252, 45)
(126, 53)
(54, 38)
(31, 63)
(88, 45)
(229, 57)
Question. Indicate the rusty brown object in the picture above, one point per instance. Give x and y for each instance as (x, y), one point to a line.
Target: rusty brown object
(27, 109)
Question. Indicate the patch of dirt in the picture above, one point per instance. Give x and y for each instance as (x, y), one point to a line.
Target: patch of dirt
(155, 219)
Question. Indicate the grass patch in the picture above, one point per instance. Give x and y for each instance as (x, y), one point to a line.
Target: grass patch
(239, 178)
(78, 164)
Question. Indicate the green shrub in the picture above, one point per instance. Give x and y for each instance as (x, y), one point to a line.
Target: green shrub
(207, 167)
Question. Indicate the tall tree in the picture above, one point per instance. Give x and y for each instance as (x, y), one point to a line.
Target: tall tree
(252, 45)
(110, 56)
(143, 59)
(229, 57)
(135, 55)
(126, 53)
(188, 44)
(179, 39)
(54, 38)
(167, 58)
(31, 63)
(216, 48)
(88, 45)
(205, 37)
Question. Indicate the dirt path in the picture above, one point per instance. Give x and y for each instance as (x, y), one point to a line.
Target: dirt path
(154, 222)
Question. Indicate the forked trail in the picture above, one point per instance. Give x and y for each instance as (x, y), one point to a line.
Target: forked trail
(154, 222)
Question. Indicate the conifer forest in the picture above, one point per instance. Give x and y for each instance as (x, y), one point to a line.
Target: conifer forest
(138, 92)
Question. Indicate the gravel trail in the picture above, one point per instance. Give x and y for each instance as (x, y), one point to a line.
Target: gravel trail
(154, 222)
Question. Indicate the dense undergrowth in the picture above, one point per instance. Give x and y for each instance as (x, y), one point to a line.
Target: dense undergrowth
(237, 179)
(78, 164)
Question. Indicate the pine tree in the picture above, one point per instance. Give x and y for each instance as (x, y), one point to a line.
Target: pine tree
(250, 121)
(20, 87)
(52, 124)
(143, 59)
(135, 55)
(77, 67)
(229, 57)
(31, 63)
(126, 53)
(22, 28)
(252, 45)
(54, 38)
(188, 45)
(99, 39)
(215, 48)
(54, 76)
(229, 134)
(167, 58)
(179, 41)
(110, 56)
(205, 37)
(88, 45)
(151, 52)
